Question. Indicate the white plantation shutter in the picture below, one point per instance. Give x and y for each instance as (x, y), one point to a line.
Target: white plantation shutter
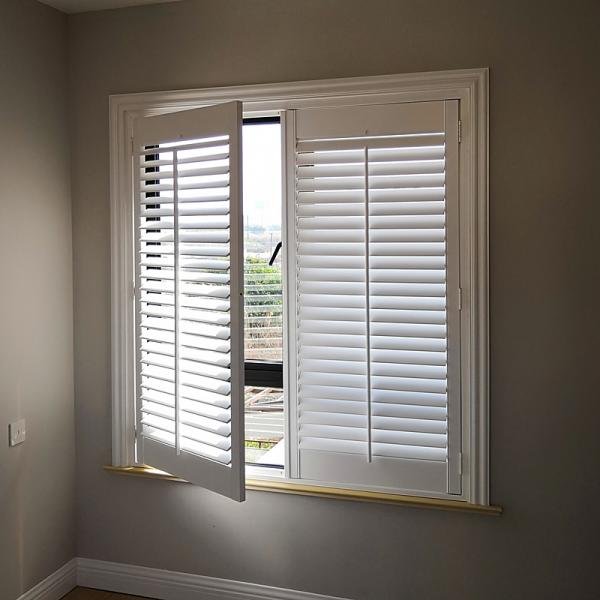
(187, 183)
(376, 333)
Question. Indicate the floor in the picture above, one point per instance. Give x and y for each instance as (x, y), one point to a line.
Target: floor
(88, 594)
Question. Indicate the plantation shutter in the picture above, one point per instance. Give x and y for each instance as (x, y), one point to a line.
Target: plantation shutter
(189, 320)
(377, 297)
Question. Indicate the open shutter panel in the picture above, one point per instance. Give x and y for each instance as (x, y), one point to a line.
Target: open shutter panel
(376, 393)
(187, 179)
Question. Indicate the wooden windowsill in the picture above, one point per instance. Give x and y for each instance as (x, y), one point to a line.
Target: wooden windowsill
(286, 487)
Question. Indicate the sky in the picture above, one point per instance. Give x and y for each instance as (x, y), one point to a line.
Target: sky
(261, 149)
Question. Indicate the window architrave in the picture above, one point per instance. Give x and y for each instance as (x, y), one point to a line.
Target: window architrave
(470, 87)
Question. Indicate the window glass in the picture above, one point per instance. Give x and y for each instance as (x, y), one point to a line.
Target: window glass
(262, 233)
(263, 311)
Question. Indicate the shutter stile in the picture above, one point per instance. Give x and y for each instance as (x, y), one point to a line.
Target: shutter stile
(186, 303)
(372, 320)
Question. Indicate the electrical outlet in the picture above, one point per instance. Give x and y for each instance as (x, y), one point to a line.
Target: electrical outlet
(17, 433)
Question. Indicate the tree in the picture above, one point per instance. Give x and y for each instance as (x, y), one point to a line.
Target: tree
(263, 309)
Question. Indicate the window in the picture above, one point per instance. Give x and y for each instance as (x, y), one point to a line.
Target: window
(263, 292)
(310, 288)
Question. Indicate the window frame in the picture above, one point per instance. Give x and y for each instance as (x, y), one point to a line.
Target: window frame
(470, 87)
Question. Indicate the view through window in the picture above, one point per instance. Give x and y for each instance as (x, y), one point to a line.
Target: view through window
(263, 311)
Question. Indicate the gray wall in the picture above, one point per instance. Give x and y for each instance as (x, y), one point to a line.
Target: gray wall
(37, 521)
(544, 60)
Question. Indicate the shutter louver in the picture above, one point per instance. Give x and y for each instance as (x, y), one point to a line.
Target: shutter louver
(372, 312)
(189, 277)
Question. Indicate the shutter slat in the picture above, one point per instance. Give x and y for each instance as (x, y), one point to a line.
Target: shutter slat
(207, 423)
(193, 394)
(196, 367)
(218, 332)
(165, 298)
(210, 291)
(330, 408)
(378, 449)
(190, 406)
(168, 185)
(203, 316)
(431, 153)
(208, 383)
(185, 250)
(166, 148)
(182, 160)
(387, 143)
(215, 237)
(208, 357)
(354, 427)
(376, 182)
(356, 168)
(190, 432)
(206, 196)
(333, 274)
(211, 221)
(182, 173)
(188, 275)
(191, 209)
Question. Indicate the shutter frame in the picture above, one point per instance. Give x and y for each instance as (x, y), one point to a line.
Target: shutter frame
(192, 231)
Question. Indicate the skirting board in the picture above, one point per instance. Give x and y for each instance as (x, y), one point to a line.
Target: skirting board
(55, 586)
(171, 585)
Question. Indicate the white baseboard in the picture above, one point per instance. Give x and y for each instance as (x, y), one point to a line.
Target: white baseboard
(55, 586)
(171, 585)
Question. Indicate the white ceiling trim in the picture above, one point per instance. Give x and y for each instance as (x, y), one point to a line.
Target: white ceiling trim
(79, 6)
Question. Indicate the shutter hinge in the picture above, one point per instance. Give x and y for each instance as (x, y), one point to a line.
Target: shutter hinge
(460, 295)
(460, 463)
(132, 144)
(459, 132)
(133, 290)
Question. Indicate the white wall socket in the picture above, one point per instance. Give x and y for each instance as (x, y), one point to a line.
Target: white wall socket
(17, 433)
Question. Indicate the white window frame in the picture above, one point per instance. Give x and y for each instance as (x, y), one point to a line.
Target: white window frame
(470, 87)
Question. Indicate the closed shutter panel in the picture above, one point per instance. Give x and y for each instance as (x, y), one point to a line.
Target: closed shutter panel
(188, 298)
(376, 296)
